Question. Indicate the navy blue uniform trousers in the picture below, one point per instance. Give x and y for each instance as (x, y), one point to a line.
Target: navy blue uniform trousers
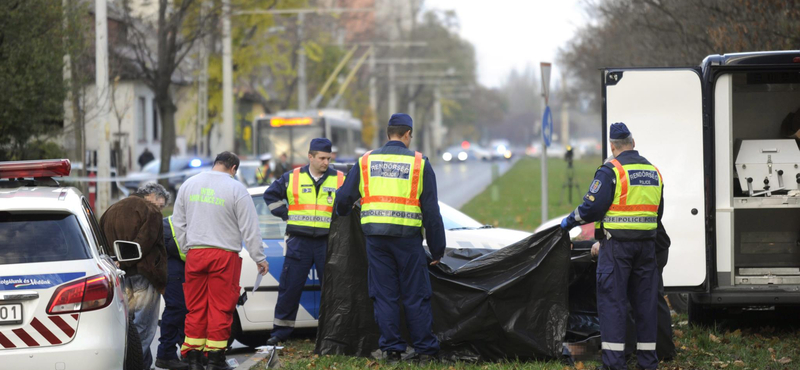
(665, 347)
(301, 254)
(174, 315)
(398, 273)
(626, 272)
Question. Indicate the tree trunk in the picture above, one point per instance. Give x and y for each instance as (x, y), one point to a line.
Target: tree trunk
(167, 109)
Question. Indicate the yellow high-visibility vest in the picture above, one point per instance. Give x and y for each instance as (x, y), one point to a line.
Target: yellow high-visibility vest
(390, 186)
(172, 228)
(634, 212)
(307, 207)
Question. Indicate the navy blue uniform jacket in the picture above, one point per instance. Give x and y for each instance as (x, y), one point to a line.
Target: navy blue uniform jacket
(349, 193)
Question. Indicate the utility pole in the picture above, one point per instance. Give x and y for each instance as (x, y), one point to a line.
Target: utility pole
(227, 131)
(412, 107)
(373, 98)
(302, 96)
(392, 92)
(100, 124)
(436, 141)
(545, 67)
(202, 89)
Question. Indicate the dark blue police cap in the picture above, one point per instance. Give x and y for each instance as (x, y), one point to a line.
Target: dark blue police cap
(619, 131)
(401, 119)
(320, 144)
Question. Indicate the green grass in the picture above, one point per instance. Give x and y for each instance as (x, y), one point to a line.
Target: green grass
(519, 204)
(698, 348)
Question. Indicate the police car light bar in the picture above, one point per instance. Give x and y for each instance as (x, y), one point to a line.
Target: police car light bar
(33, 169)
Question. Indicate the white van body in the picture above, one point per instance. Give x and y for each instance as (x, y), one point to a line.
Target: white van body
(730, 249)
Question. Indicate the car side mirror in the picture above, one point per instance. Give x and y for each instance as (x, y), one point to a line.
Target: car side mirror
(127, 251)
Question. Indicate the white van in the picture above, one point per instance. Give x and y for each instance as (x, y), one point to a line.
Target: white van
(730, 172)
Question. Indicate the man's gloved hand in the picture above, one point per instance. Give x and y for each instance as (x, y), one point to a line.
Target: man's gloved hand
(564, 223)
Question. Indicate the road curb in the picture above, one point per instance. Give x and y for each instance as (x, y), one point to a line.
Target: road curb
(252, 361)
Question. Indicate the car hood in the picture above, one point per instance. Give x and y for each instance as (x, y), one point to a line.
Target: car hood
(494, 238)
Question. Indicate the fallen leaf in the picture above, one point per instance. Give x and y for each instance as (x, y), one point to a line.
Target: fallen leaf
(683, 323)
(677, 333)
(771, 350)
(737, 333)
(784, 361)
(579, 366)
(738, 363)
(713, 338)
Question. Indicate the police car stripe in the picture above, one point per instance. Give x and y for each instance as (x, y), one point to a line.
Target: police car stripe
(630, 220)
(52, 330)
(5, 342)
(394, 214)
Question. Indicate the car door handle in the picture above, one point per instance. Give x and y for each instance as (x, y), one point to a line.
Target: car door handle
(19, 297)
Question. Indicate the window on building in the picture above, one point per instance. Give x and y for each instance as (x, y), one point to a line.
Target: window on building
(141, 120)
(156, 126)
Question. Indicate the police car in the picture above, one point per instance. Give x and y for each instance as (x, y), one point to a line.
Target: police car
(62, 304)
(254, 319)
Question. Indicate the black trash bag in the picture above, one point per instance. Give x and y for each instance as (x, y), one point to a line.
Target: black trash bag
(347, 320)
(583, 319)
(508, 304)
(487, 305)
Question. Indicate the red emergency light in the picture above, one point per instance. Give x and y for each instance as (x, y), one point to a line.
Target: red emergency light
(32, 169)
(465, 145)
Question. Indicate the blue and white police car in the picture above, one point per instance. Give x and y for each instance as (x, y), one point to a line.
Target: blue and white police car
(62, 304)
(254, 320)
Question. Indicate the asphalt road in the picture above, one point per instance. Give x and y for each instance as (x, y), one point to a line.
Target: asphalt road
(457, 184)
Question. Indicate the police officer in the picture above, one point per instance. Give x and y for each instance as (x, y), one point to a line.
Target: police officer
(309, 193)
(172, 318)
(397, 188)
(625, 199)
(264, 173)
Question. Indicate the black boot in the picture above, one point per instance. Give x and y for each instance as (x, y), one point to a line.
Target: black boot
(172, 364)
(195, 360)
(393, 357)
(273, 341)
(216, 361)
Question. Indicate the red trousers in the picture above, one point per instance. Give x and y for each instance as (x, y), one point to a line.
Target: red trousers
(211, 290)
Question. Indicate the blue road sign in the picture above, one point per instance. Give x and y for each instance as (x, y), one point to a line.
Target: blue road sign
(547, 127)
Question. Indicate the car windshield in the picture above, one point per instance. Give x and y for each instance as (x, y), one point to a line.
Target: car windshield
(453, 219)
(48, 237)
(271, 227)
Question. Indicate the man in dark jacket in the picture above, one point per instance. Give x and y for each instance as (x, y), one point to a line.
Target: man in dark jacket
(145, 158)
(172, 319)
(137, 218)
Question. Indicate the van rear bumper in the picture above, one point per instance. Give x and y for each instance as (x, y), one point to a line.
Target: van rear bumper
(750, 296)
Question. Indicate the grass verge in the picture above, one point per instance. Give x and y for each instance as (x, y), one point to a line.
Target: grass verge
(518, 201)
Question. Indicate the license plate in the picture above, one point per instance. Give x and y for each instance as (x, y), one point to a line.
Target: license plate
(11, 313)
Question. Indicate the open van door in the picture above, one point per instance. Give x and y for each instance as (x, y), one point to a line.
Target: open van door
(663, 108)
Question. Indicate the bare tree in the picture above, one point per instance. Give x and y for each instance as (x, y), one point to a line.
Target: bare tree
(160, 44)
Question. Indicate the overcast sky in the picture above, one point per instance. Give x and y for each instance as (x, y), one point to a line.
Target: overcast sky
(510, 34)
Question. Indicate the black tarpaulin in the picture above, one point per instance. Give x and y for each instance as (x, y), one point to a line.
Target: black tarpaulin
(488, 305)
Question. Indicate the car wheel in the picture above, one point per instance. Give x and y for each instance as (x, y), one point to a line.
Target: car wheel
(250, 339)
(134, 359)
(679, 302)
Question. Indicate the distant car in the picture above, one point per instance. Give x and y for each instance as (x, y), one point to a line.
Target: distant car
(500, 149)
(62, 303)
(555, 150)
(254, 320)
(458, 154)
(188, 166)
